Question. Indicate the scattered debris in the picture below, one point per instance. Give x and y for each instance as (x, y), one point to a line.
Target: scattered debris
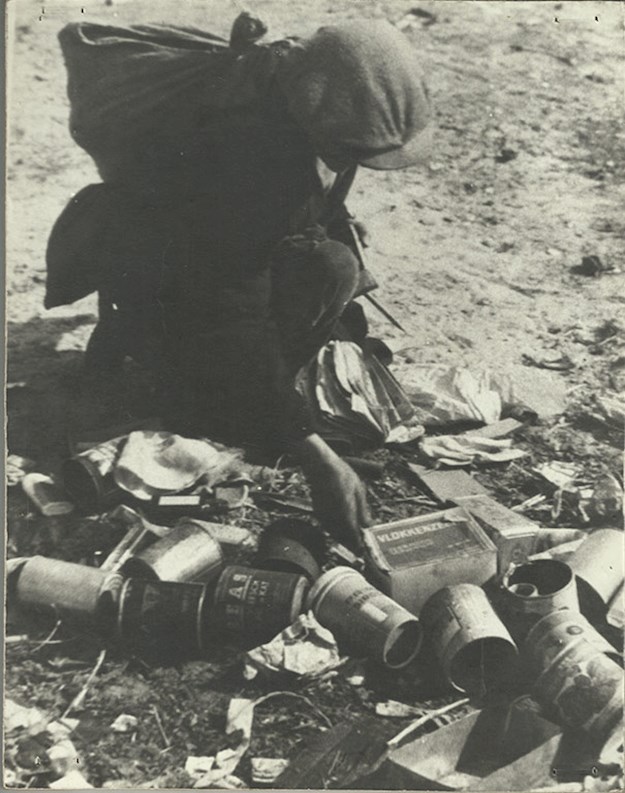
(560, 364)
(73, 780)
(607, 498)
(446, 486)
(16, 468)
(613, 410)
(593, 267)
(499, 429)
(506, 155)
(46, 495)
(358, 397)
(390, 708)
(154, 463)
(265, 770)
(239, 721)
(305, 649)
(443, 395)
(125, 722)
(458, 450)
(560, 474)
(496, 749)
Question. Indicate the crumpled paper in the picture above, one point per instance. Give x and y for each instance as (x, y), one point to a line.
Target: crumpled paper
(441, 395)
(155, 463)
(458, 450)
(265, 770)
(239, 719)
(305, 648)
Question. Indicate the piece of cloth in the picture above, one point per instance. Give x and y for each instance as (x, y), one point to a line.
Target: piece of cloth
(358, 88)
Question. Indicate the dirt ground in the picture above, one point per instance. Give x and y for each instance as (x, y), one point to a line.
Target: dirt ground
(476, 255)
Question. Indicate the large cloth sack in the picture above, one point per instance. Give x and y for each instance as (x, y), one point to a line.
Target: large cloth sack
(145, 97)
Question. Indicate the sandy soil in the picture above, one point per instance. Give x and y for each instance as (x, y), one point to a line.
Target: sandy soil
(474, 252)
(473, 255)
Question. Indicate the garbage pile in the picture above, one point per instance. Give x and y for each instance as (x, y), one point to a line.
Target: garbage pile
(525, 623)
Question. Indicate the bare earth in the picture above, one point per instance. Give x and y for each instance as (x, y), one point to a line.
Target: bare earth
(473, 254)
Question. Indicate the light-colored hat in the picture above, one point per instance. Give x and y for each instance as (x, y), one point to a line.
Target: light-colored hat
(358, 90)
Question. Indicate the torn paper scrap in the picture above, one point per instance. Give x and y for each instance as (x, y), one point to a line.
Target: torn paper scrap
(305, 648)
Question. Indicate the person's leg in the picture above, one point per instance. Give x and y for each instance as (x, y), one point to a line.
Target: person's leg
(313, 283)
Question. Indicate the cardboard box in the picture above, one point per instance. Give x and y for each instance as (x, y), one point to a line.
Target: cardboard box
(493, 749)
(514, 535)
(411, 559)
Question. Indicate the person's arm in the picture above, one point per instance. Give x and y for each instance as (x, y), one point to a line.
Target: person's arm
(339, 496)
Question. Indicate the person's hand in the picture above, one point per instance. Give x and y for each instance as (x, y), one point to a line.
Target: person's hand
(339, 497)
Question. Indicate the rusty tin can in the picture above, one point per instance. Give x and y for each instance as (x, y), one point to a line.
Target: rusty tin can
(554, 633)
(367, 619)
(532, 590)
(253, 606)
(89, 479)
(580, 682)
(188, 552)
(473, 645)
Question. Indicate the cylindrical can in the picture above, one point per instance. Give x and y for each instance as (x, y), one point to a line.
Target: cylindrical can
(532, 590)
(74, 591)
(554, 633)
(580, 683)
(292, 546)
(88, 477)
(255, 605)
(163, 618)
(475, 649)
(598, 568)
(359, 614)
(188, 552)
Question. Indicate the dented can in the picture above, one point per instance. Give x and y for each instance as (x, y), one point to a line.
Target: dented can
(357, 613)
(188, 552)
(253, 606)
(473, 645)
(89, 479)
(532, 590)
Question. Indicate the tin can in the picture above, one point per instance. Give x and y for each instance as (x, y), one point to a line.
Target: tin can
(473, 645)
(255, 605)
(532, 590)
(74, 591)
(580, 683)
(89, 476)
(188, 552)
(292, 546)
(598, 568)
(359, 614)
(163, 619)
(554, 633)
